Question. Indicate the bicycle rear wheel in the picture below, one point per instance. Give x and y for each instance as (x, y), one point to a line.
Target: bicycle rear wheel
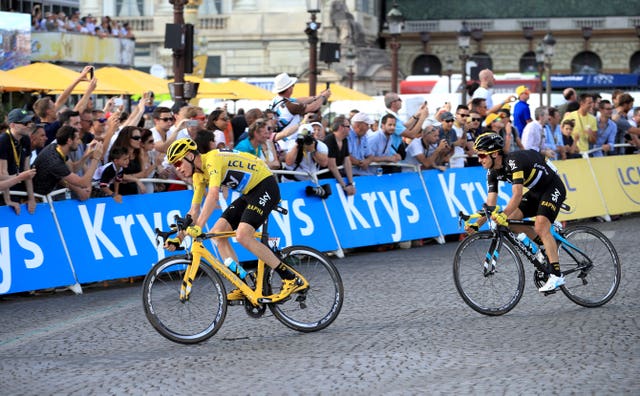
(187, 322)
(593, 280)
(318, 306)
(496, 293)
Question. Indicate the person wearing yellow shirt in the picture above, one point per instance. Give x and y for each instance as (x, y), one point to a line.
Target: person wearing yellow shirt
(260, 193)
(586, 125)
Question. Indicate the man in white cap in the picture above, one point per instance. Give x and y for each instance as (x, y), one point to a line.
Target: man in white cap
(359, 151)
(288, 109)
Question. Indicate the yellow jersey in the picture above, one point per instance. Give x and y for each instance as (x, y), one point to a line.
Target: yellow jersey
(236, 170)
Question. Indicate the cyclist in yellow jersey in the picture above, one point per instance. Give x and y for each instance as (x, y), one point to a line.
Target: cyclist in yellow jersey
(246, 174)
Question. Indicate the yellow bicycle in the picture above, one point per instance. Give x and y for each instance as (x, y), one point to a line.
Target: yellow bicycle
(185, 299)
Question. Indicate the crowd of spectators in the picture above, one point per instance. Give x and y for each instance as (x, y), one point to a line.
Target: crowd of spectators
(75, 23)
(109, 152)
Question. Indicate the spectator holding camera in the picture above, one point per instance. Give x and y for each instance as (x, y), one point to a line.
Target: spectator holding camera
(288, 109)
(429, 151)
(305, 154)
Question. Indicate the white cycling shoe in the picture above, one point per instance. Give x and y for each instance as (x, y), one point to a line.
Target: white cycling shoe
(553, 283)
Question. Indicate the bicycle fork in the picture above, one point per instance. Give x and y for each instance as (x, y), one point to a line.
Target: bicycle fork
(491, 258)
(189, 276)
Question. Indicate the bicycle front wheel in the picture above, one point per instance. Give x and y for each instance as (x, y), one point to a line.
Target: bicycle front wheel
(593, 280)
(318, 306)
(496, 292)
(186, 322)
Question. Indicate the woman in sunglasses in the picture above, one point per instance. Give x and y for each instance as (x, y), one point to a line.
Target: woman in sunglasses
(130, 138)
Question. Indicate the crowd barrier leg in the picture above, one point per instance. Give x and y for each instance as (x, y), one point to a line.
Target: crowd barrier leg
(440, 239)
(606, 217)
(76, 288)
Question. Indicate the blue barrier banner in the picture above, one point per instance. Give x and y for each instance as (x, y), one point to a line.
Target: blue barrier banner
(31, 253)
(108, 240)
(386, 208)
(460, 189)
(305, 224)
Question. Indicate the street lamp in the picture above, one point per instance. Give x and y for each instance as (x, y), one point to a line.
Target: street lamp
(178, 56)
(449, 71)
(313, 7)
(395, 21)
(540, 63)
(351, 62)
(548, 42)
(464, 38)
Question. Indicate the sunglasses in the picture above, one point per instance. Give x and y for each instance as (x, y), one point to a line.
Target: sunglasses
(223, 119)
(482, 155)
(138, 137)
(463, 114)
(346, 125)
(447, 120)
(476, 119)
(200, 118)
(149, 141)
(102, 120)
(166, 119)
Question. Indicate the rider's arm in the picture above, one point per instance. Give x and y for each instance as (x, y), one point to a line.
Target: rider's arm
(516, 198)
(210, 204)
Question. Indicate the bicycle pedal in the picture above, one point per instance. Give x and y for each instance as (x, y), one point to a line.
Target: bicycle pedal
(235, 302)
(265, 300)
(550, 292)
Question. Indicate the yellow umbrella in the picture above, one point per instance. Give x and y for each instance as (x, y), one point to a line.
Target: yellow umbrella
(338, 92)
(55, 78)
(131, 81)
(245, 90)
(11, 83)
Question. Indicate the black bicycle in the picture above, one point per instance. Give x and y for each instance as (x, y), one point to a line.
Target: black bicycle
(489, 274)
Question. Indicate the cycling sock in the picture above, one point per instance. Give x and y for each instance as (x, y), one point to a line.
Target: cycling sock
(284, 271)
(555, 269)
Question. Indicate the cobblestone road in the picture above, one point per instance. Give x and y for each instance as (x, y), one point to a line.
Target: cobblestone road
(403, 330)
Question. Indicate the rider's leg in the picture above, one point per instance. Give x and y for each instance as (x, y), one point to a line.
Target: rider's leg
(224, 246)
(245, 236)
(543, 229)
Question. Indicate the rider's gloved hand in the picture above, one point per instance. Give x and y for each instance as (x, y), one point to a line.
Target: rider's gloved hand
(471, 228)
(194, 231)
(500, 218)
(172, 243)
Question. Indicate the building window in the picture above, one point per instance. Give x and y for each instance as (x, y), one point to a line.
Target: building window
(482, 61)
(426, 64)
(129, 8)
(213, 67)
(209, 7)
(634, 63)
(586, 62)
(528, 63)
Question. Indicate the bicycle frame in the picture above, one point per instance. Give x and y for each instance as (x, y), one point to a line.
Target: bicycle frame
(502, 231)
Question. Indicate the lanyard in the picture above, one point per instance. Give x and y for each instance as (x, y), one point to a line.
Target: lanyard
(61, 154)
(16, 156)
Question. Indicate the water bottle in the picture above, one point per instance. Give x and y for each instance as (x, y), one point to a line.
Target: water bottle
(235, 267)
(379, 171)
(67, 194)
(530, 245)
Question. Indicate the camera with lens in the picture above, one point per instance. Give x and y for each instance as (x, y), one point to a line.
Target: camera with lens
(305, 137)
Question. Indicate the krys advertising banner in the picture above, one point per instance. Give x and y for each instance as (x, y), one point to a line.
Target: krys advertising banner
(619, 181)
(31, 252)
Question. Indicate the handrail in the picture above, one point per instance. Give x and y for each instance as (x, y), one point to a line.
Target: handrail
(585, 154)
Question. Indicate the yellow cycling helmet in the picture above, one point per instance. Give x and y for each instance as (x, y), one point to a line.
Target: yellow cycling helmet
(179, 149)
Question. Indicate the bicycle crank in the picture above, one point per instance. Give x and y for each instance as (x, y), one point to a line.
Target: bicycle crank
(254, 311)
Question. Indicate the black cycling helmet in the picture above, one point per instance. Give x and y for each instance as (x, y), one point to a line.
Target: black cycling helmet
(179, 149)
(489, 142)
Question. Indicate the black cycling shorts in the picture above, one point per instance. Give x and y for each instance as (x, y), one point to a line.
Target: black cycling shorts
(545, 203)
(254, 207)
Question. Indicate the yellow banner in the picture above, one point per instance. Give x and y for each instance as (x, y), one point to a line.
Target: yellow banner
(199, 65)
(582, 191)
(81, 48)
(619, 180)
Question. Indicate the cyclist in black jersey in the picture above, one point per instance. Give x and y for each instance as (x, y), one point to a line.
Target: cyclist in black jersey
(526, 168)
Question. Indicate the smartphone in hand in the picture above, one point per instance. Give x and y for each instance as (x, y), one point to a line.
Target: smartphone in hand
(91, 72)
